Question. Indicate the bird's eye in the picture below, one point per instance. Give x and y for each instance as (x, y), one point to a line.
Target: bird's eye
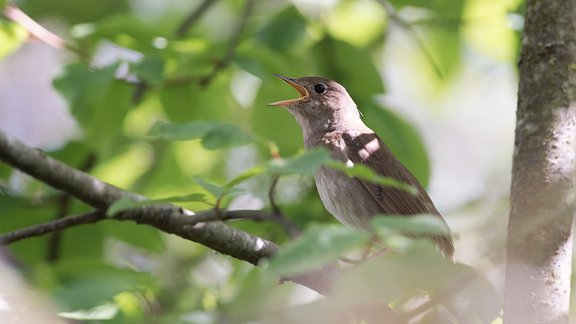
(320, 88)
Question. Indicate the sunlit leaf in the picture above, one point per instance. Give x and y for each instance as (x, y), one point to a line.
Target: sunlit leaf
(316, 247)
(417, 224)
(305, 164)
(213, 134)
(12, 35)
(365, 173)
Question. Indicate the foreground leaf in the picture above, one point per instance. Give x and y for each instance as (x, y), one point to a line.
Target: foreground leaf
(316, 247)
(417, 224)
(305, 164)
(365, 173)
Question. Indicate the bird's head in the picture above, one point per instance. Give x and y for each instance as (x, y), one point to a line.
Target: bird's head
(322, 103)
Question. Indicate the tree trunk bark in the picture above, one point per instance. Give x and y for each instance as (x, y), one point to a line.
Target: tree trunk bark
(544, 168)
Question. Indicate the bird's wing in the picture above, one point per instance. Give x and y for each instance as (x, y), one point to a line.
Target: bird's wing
(370, 150)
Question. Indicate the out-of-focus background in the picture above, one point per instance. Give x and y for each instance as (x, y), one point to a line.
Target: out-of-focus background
(436, 79)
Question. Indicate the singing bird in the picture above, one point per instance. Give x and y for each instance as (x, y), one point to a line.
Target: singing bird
(329, 118)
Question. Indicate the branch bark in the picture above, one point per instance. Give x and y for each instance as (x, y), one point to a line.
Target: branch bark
(544, 168)
(169, 218)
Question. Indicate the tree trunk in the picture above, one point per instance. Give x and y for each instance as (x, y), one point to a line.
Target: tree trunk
(544, 168)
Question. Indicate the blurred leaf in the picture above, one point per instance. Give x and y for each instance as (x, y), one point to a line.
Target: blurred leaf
(246, 175)
(142, 237)
(12, 35)
(82, 274)
(186, 100)
(351, 66)
(150, 69)
(216, 190)
(97, 100)
(126, 203)
(448, 9)
(417, 224)
(73, 11)
(213, 134)
(315, 247)
(419, 270)
(305, 164)
(99, 313)
(363, 172)
(285, 32)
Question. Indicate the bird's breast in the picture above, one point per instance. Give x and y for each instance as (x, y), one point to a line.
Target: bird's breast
(345, 198)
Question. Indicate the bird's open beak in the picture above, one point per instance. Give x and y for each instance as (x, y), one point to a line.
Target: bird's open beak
(303, 93)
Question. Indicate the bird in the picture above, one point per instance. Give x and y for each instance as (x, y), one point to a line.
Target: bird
(330, 119)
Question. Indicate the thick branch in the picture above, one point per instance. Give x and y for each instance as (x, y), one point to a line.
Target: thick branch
(544, 169)
(100, 195)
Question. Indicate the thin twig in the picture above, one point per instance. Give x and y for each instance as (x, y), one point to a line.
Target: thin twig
(271, 195)
(291, 229)
(53, 252)
(14, 13)
(193, 17)
(232, 45)
(52, 226)
(391, 12)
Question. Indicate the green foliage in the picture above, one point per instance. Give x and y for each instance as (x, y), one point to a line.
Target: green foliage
(194, 138)
(214, 135)
(418, 224)
(316, 247)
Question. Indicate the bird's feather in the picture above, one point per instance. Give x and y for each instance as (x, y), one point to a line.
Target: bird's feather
(368, 149)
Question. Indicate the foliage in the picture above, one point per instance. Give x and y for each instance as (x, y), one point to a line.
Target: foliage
(181, 117)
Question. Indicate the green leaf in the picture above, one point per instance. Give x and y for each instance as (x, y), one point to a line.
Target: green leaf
(216, 190)
(246, 175)
(285, 32)
(225, 136)
(99, 313)
(305, 164)
(97, 100)
(12, 35)
(213, 134)
(417, 224)
(418, 271)
(316, 247)
(126, 203)
(363, 172)
(150, 69)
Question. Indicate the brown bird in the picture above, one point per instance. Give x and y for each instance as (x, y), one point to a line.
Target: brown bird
(329, 118)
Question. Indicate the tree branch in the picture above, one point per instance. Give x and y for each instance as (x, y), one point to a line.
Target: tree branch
(234, 42)
(169, 218)
(193, 17)
(52, 226)
(14, 13)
